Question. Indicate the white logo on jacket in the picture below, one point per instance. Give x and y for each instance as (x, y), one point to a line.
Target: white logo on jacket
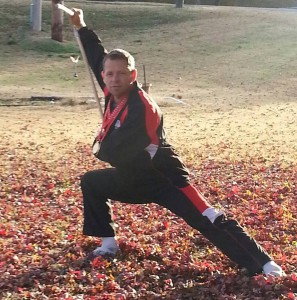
(117, 124)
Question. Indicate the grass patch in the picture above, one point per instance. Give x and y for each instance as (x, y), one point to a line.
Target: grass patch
(48, 45)
(209, 46)
(15, 23)
(138, 19)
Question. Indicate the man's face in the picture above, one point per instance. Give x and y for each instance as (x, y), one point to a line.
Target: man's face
(118, 77)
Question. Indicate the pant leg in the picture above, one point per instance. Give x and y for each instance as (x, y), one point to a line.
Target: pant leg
(98, 187)
(226, 235)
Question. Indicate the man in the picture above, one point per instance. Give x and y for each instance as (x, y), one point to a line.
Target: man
(145, 168)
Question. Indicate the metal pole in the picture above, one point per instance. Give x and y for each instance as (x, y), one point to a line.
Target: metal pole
(36, 15)
(179, 3)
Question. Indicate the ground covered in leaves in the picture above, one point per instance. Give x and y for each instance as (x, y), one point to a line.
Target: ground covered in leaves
(161, 257)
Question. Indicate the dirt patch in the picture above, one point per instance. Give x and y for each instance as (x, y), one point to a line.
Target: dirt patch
(226, 129)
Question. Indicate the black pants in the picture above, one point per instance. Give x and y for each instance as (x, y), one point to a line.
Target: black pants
(101, 185)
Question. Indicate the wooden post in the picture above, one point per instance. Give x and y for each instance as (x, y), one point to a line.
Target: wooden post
(179, 3)
(57, 22)
(36, 15)
(146, 86)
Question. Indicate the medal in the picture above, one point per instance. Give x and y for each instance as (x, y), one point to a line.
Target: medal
(96, 148)
(109, 118)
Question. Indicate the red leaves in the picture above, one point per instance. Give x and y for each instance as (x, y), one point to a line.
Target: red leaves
(292, 296)
(235, 189)
(166, 224)
(294, 277)
(3, 232)
(99, 262)
(161, 256)
(100, 276)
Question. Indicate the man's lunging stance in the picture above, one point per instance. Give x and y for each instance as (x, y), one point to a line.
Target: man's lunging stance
(145, 168)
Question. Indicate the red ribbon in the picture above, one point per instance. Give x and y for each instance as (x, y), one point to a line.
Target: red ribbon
(109, 118)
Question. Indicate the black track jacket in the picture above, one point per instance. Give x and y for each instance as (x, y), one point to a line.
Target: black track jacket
(135, 143)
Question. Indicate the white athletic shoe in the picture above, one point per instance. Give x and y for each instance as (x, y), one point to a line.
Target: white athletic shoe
(273, 269)
(211, 213)
(109, 247)
(105, 252)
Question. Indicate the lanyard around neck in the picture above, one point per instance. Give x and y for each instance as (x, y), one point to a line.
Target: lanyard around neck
(109, 117)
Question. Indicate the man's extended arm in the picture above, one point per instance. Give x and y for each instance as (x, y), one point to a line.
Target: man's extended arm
(94, 50)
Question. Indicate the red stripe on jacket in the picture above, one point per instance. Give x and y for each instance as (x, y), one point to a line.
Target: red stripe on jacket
(152, 118)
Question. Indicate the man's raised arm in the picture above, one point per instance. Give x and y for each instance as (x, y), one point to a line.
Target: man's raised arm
(94, 50)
